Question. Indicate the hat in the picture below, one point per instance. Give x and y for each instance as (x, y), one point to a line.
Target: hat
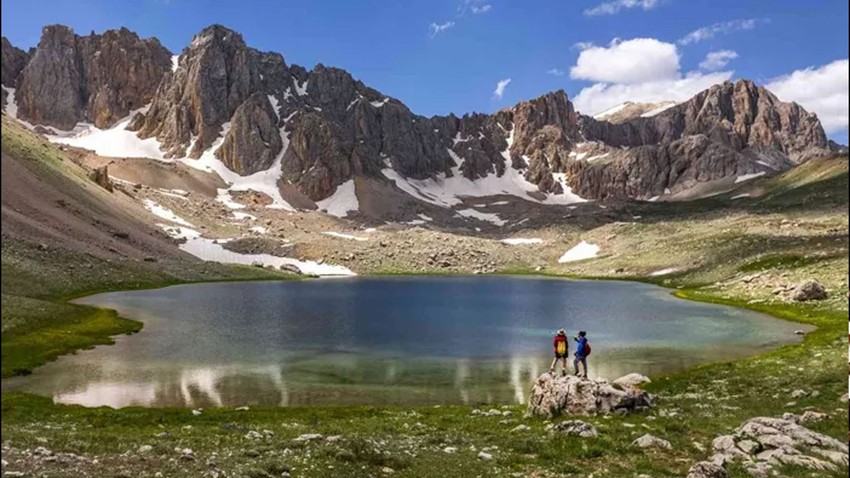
(562, 332)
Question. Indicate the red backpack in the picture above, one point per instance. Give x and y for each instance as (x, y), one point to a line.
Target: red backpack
(586, 349)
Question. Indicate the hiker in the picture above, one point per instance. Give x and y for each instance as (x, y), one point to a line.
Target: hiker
(561, 348)
(582, 351)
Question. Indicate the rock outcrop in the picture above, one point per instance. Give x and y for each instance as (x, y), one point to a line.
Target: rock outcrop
(101, 177)
(253, 141)
(707, 469)
(13, 62)
(809, 290)
(213, 78)
(554, 395)
(763, 443)
(95, 78)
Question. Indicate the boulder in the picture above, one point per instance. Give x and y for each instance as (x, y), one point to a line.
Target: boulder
(290, 268)
(707, 469)
(576, 428)
(809, 290)
(649, 441)
(632, 380)
(556, 395)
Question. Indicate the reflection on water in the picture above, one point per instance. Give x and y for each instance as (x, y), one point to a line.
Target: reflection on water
(386, 341)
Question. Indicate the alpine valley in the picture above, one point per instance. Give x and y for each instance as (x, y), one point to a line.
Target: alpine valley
(128, 166)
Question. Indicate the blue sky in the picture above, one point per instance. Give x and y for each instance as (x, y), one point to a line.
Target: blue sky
(391, 45)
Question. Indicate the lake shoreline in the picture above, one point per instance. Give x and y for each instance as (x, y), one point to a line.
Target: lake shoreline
(135, 325)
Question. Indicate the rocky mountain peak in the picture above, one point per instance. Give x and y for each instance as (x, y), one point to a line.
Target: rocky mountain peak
(217, 33)
(13, 62)
(216, 74)
(94, 78)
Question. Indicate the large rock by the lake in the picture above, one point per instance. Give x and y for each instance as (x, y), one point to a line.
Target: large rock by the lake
(809, 290)
(553, 395)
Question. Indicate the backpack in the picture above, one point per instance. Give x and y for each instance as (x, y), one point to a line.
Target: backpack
(562, 347)
(586, 349)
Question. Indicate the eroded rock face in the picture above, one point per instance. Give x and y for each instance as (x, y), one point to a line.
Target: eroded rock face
(95, 78)
(13, 62)
(253, 141)
(569, 395)
(215, 75)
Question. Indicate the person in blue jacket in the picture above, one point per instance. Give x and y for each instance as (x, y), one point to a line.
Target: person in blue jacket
(580, 355)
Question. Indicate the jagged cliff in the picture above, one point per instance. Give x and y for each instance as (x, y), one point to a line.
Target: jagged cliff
(323, 127)
(96, 78)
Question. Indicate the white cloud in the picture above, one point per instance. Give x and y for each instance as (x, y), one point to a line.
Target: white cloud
(631, 61)
(555, 72)
(822, 90)
(641, 69)
(716, 60)
(601, 96)
(614, 7)
(435, 28)
(710, 31)
(500, 88)
(475, 6)
(582, 45)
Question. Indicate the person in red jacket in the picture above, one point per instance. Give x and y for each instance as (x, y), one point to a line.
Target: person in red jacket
(561, 348)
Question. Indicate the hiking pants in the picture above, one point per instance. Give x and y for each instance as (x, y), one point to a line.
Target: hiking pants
(583, 361)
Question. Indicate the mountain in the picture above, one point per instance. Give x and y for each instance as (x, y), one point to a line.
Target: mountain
(316, 130)
(97, 79)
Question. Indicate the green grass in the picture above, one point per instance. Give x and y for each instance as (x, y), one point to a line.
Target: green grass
(74, 327)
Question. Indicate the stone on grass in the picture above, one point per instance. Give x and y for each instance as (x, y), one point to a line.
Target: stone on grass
(707, 469)
(809, 290)
(775, 442)
(485, 456)
(799, 393)
(307, 437)
(649, 441)
(144, 449)
(577, 428)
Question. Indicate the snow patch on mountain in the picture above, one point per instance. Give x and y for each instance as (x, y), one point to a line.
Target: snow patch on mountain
(342, 235)
(747, 177)
(518, 241)
(164, 213)
(342, 201)
(489, 217)
(583, 250)
(212, 250)
(301, 90)
(11, 107)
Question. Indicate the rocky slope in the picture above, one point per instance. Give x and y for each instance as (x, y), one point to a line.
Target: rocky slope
(322, 127)
(96, 78)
